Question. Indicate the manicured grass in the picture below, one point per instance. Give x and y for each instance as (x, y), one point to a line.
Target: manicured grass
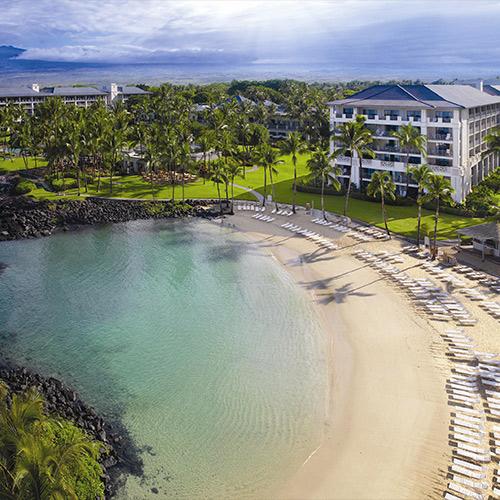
(15, 164)
(133, 186)
(402, 220)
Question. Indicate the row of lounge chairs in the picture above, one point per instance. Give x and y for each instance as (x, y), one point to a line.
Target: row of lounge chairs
(483, 279)
(252, 207)
(441, 273)
(263, 218)
(282, 211)
(426, 295)
(474, 395)
(358, 232)
(416, 252)
(320, 240)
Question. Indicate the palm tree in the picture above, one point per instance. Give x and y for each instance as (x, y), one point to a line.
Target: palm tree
(206, 142)
(293, 145)
(410, 139)
(354, 137)
(381, 184)
(217, 176)
(233, 170)
(421, 175)
(116, 138)
(36, 462)
(268, 159)
(438, 190)
(320, 166)
(72, 130)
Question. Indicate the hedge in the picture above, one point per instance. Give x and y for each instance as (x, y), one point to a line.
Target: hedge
(24, 187)
(62, 184)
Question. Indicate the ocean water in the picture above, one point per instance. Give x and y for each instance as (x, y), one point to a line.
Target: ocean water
(195, 338)
(18, 72)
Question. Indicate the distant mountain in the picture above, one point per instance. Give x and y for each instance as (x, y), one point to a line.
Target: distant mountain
(8, 52)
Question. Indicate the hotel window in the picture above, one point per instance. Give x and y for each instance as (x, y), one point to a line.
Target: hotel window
(415, 115)
(391, 113)
(445, 115)
(348, 112)
(370, 113)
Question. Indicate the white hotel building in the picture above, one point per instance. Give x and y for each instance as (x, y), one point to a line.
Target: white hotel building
(29, 97)
(454, 118)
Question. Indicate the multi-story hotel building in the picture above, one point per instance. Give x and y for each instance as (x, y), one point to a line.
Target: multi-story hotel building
(29, 97)
(454, 119)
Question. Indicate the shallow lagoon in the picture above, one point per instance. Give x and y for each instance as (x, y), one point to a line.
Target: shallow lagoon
(195, 338)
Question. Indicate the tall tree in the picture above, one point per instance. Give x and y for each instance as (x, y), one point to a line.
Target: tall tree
(410, 140)
(321, 166)
(439, 191)
(293, 145)
(233, 170)
(218, 177)
(421, 174)
(381, 184)
(115, 139)
(353, 137)
(268, 159)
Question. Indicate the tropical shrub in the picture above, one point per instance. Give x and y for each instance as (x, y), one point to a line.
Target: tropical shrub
(62, 184)
(24, 187)
(481, 201)
(44, 456)
(493, 181)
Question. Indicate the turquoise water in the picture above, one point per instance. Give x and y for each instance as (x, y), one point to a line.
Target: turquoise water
(193, 336)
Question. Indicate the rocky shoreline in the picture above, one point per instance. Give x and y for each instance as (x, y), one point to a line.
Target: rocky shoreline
(123, 457)
(22, 217)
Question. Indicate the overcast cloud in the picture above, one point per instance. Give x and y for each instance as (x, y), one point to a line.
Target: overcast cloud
(419, 32)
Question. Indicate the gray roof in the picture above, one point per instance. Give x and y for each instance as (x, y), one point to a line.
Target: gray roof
(464, 95)
(72, 91)
(22, 92)
(420, 96)
(488, 231)
(130, 90)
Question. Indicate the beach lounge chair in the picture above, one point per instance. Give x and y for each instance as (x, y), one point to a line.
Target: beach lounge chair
(468, 493)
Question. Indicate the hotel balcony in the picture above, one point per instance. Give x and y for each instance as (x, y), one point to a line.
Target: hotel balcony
(444, 152)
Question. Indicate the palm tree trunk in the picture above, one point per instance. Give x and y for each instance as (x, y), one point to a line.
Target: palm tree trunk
(419, 219)
(294, 160)
(232, 196)
(434, 250)
(272, 189)
(265, 187)
(384, 215)
(407, 175)
(360, 174)
(348, 191)
(220, 199)
(78, 178)
(173, 186)
(323, 196)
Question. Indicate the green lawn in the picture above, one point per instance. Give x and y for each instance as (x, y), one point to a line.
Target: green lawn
(15, 164)
(402, 220)
(133, 186)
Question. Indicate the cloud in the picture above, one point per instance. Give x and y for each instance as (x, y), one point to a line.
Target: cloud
(351, 32)
(128, 54)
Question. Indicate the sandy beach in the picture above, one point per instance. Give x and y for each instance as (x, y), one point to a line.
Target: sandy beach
(386, 430)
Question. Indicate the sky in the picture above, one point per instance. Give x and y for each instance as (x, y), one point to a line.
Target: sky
(355, 32)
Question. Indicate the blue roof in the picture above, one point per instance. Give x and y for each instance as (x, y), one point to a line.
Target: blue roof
(423, 96)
